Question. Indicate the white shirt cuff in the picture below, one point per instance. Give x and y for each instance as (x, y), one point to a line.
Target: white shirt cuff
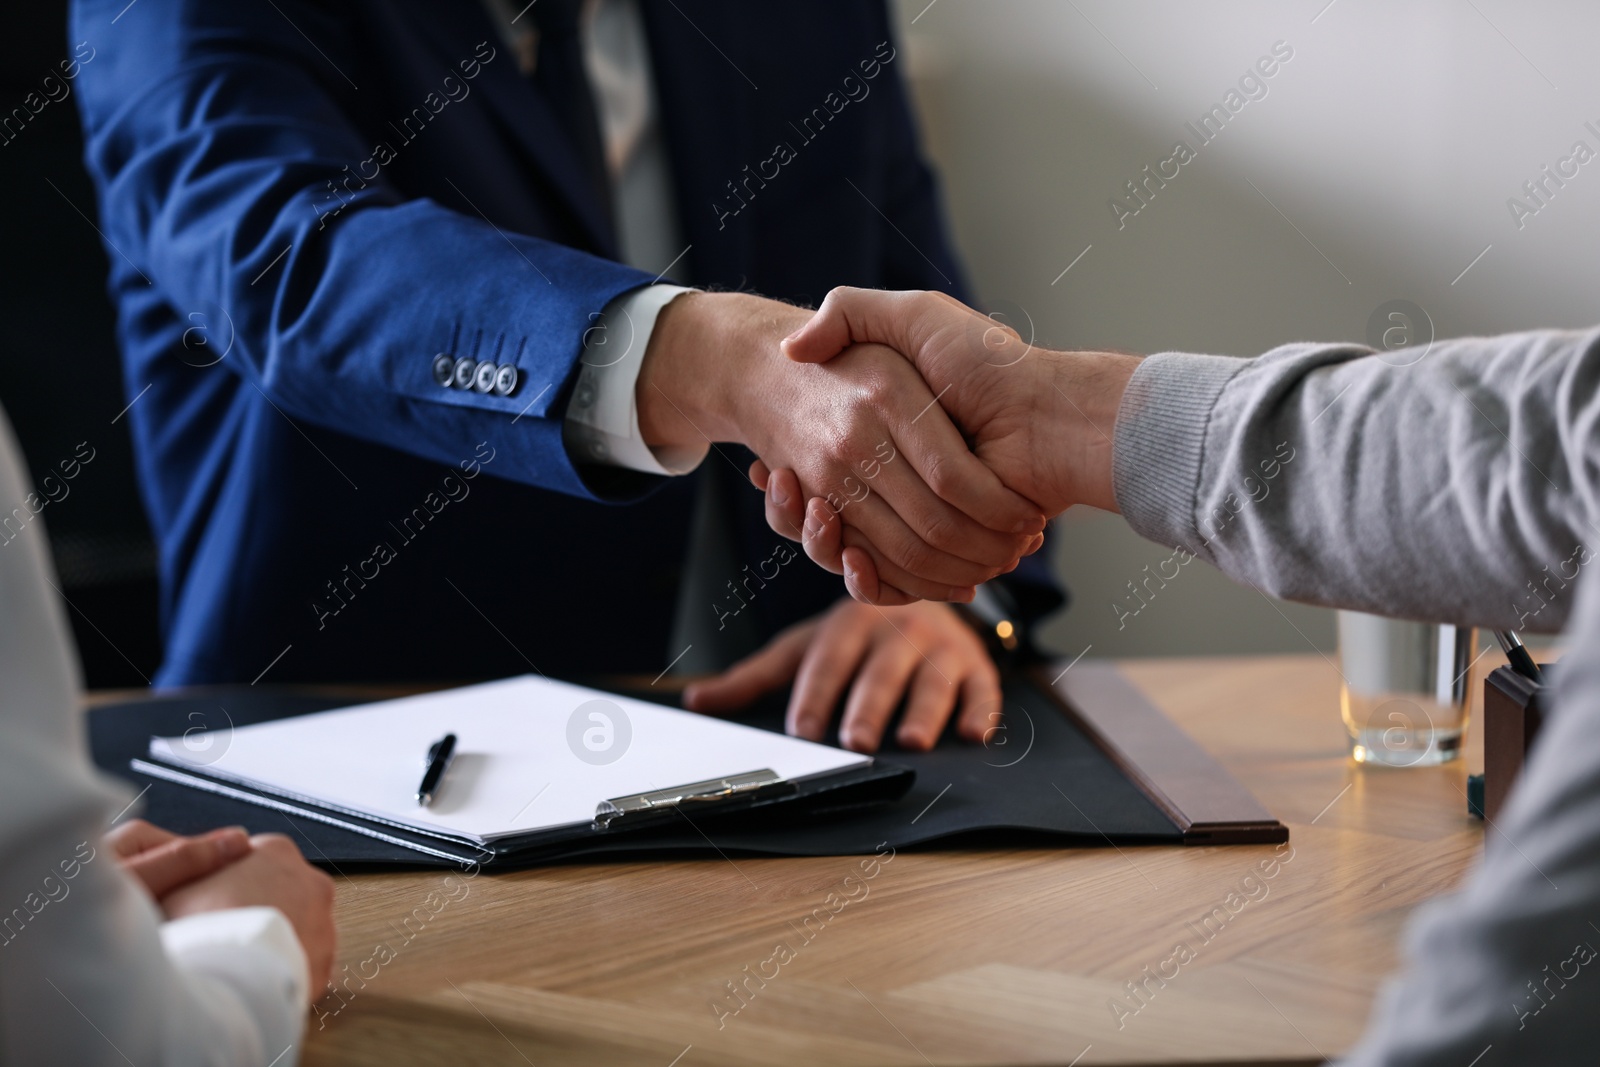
(602, 423)
(253, 954)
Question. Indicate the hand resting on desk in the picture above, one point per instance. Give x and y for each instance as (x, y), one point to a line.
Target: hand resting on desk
(922, 653)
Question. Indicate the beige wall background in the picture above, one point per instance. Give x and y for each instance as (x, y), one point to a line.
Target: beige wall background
(1377, 166)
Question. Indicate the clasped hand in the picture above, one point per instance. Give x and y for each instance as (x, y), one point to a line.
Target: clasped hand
(227, 868)
(862, 431)
(1040, 422)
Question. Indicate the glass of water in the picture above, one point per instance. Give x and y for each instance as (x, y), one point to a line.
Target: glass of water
(1406, 689)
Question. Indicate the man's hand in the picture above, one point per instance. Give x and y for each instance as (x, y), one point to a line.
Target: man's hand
(923, 654)
(162, 861)
(1042, 421)
(863, 432)
(275, 875)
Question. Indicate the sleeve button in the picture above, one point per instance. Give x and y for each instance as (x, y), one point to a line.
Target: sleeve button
(444, 369)
(505, 380)
(483, 378)
(464, 370)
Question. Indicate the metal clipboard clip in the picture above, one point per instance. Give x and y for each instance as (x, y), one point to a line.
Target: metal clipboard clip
(712, 791)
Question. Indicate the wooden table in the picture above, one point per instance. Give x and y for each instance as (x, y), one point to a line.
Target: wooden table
(1002, 957)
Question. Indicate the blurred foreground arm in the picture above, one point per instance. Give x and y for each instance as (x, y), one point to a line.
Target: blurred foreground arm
(89, 974)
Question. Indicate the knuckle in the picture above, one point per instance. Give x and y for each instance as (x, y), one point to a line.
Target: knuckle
(918, 558)
(938, 475)
(278, 846)
(825, 665)
(876, 389)
(938, 529)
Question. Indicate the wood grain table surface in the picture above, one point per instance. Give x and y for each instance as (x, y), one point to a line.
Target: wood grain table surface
(1256, 954)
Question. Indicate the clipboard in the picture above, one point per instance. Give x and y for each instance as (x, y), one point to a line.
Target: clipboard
(348, 768)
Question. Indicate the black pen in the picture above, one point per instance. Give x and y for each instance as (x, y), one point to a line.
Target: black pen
(439, 755)
(1517, 654)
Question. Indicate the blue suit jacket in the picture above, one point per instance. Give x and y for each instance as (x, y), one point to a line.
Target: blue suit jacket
(305, 203)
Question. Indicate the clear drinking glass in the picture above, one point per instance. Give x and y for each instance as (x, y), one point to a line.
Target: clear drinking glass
(1406, 689)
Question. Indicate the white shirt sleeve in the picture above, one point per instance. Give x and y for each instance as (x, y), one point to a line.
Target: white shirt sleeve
(249, 964)
(602, 423)
(88, 973)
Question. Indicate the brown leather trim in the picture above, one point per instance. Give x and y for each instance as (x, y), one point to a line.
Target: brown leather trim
(1196, 792)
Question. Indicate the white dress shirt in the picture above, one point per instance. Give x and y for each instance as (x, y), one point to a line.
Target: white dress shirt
(602, 422)
(89, 973)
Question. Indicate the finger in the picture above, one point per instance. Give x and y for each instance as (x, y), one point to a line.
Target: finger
(134, 836)
(934, 691)
(982, 702)
(823, 536)
(861, 576)
(758, 475)
(862, 583)
(883, 526)
(823, 540)
(940, 456)
(890, 573)
(940, 525)
(878, 690)
(836, 651)
(1034, 546)
(785, 504)
(770, 668)
(848, 315)
(184, 859)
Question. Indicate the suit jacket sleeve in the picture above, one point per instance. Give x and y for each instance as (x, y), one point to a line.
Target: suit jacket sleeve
(221, 142)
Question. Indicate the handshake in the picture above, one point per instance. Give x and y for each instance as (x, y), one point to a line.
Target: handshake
(912, 444)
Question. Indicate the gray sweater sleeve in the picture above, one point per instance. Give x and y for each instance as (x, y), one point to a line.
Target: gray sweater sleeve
(1456, 488)
(1461, 488)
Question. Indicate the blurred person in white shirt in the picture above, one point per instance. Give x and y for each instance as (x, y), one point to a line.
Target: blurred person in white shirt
(128, 944)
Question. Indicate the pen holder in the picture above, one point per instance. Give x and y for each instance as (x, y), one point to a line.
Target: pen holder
(1512, 714)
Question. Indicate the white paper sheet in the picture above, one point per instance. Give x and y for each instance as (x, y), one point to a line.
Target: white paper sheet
(531, 754)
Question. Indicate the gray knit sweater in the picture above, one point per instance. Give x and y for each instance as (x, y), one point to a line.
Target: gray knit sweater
(1464, 488)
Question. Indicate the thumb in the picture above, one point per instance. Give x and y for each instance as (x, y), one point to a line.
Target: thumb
(850, 316)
